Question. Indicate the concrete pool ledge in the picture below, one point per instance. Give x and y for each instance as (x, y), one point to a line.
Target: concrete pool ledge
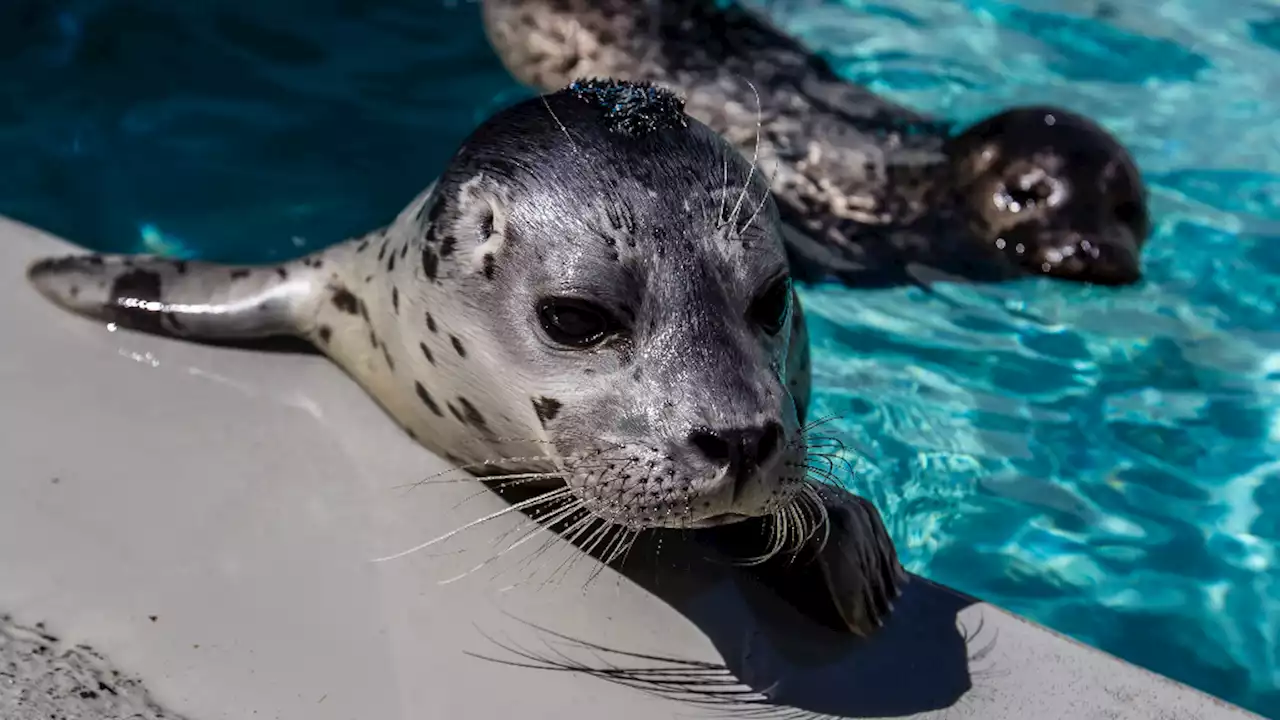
(205, 519)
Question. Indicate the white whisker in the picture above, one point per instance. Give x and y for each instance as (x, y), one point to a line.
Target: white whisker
(547, 497)
(755, 156)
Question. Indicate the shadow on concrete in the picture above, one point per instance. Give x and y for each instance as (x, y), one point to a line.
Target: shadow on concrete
(776, 631)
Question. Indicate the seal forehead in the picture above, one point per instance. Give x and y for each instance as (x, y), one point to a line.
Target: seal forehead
(631, 108)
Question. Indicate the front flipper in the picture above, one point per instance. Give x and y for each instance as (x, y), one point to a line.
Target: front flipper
(178, 298)
(858, 562)
(845, 579)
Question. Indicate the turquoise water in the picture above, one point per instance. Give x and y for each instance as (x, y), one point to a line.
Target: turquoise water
(1106, 462)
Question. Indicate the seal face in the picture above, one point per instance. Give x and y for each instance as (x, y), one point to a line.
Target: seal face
(594, 293)
(870, 188)
(637, 281)
(1054, 192)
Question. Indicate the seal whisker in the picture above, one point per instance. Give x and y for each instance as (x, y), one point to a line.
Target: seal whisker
(724, 192)
(547, 497)
(755, 156)
(506, 484)
(539, 527)
(547, 104)
(808, 427)
(581, 528)
(603, 539)
(811, 494)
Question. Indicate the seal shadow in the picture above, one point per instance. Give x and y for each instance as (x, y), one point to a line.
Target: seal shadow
(784, 650)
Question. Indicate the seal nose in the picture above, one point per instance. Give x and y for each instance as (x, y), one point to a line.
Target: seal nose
(742, 450)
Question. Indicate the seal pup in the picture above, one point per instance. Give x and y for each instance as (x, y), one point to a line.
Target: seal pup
(872, 189)
(593, 294)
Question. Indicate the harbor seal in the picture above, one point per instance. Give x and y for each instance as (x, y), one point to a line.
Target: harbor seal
(594, 292)
(871, 190)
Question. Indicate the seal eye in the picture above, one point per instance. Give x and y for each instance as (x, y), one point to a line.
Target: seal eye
(573, 322)
(769, 309)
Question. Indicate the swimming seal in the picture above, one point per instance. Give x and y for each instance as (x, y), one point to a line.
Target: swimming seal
(595, 289)
(872, 189)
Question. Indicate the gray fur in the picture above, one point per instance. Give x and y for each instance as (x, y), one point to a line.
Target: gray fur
(436, 316)
(871, 187)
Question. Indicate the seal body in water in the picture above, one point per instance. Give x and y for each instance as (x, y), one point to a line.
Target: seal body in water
(594, 290)
(873, 189)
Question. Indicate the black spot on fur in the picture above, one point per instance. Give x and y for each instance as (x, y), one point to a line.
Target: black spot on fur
(489, 265)
(426, 352)
(447, 246)
(404, 250)
(431, 323)
(364, 312)
(546, 408)
(457, 415)
(180, 266)
(373, 339)
(391, 263)
(239, 274)
(94, 260)
(283, 273)
(430, 262)
(386, 353)
(137, 284)
(74, 291)
(473, 416)
(486, 225)
(141, 285)
(345, 301)
(457, 346)
(430, 210)
(364, 245)
(426, 398)
(395, 299)
(382, 251)
(325, 333)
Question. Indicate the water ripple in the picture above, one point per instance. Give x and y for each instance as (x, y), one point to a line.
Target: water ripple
(1101, 460)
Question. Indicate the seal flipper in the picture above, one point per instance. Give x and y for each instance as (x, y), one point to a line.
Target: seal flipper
(198, 301)
(846, 581)
(859, 562)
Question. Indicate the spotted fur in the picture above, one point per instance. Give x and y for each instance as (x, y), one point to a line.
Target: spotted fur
(690, 411)
(872, 189)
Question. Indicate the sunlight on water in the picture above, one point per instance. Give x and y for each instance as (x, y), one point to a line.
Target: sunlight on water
(1106, 462)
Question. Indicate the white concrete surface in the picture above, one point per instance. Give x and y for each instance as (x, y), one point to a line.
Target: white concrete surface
(205, 518)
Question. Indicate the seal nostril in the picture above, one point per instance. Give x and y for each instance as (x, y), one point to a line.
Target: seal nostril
(712, 446)
(743, 451)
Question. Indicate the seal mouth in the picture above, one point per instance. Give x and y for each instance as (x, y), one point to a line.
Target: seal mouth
(721, 519)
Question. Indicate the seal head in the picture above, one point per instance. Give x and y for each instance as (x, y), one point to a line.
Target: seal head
(640, 284)
(1054, 192)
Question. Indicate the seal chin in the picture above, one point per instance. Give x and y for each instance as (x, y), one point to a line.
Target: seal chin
(1054, 192)
(1110, 259)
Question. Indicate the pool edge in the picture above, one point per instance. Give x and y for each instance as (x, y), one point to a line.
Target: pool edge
(1032, 671)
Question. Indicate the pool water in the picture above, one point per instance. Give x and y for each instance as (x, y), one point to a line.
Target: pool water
(1106, 462)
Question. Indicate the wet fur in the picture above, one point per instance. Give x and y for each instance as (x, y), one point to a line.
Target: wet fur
(432, 315)
(872, 190)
